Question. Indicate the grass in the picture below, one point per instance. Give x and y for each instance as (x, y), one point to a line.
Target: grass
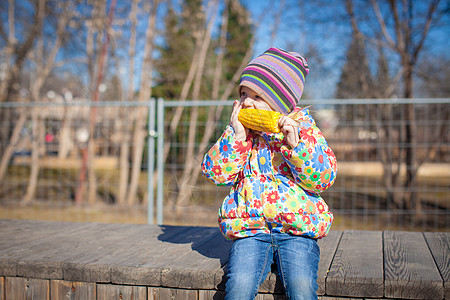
(57, 187)
(192, 216)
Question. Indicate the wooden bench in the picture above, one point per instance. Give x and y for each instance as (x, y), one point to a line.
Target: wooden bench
(61, 260)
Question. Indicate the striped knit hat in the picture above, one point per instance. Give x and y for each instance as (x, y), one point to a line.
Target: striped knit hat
(278, 77)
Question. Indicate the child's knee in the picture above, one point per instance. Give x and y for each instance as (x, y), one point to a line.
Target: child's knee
(241, 286)
(302, 287)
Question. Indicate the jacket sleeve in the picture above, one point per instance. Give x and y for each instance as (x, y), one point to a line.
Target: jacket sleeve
(226, 158)
(312, 162)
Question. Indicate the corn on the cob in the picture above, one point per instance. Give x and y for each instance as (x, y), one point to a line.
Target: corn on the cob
(260, 120)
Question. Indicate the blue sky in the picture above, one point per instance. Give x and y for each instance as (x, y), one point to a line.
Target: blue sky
(297, 33)
(319, 30)
(323, 26)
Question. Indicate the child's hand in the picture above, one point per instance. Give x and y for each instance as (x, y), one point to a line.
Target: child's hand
(289, 129)
(239, 130)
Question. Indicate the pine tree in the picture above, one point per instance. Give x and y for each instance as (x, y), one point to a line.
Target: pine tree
(178, 49)
(238, 37)
(383, 80)
(356, 80)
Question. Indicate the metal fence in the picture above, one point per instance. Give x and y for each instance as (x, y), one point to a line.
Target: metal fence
(377, 187)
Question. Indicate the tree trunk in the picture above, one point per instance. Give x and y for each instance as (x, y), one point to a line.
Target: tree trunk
(7, 154)
(65, 135)
(88, 161)
(144, 95)
(44, 66)
(125, 120)
(410, 198)
(183, 96)
(185, 189)
(34, 164)
(89, 157)
(388, 135)
(80, 191)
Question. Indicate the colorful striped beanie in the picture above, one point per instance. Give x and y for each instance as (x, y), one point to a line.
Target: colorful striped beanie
(278, 77)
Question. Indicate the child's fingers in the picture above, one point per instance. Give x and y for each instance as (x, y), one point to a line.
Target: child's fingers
(236, 109)
(292, 139)
(289, 129)
(284, 121)
(240, 131)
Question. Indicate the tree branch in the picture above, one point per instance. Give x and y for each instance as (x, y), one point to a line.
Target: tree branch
(24, 48)
(382, 24)
(398, 27)
(431, 10)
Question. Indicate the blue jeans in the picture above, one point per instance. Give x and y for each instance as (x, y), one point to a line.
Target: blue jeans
(297, 259)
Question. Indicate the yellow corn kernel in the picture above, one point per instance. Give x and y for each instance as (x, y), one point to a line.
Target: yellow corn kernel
(260, 120)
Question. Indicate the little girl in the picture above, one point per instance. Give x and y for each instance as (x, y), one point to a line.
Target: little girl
(273, 213)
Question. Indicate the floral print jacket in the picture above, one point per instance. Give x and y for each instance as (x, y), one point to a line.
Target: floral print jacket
(273, 187)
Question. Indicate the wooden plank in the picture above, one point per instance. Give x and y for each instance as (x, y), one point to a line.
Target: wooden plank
(328, 246)
(82, 263)
(14, 232)
(56, 247)
(217, 247)
(410, 271)
(2, 289)
(18, 288)
(162, 293)
(78, 264)
(126, 292)
(43, 260)
(101, 248)
(357, 268)
(20, 260)
(141, 264)
(20, 237)
(88, 263)
(210, 294)
(197, 268)
(439, 244)
(176, 253)
(60, 289)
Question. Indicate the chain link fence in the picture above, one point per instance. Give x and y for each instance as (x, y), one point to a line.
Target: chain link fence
(77, 161)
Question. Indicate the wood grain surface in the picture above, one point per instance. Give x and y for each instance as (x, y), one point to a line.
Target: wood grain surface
(410, 270)
(52, 260)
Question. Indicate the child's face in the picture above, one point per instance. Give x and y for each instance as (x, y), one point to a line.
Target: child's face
(250, 99)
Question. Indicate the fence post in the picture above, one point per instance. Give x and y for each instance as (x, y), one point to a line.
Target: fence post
(160, 163)
(151, 159)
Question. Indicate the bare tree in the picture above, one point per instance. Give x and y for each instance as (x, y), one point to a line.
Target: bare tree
(124, 127)
(44, 65)
(144, 95)
(183, 194)
(99, 25)
(408, 49)
(396, 32)
(197, 34)
(192, 167)
(15, 54)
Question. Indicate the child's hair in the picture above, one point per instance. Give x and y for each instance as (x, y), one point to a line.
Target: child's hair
(278, 77)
